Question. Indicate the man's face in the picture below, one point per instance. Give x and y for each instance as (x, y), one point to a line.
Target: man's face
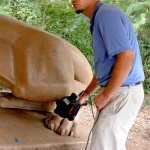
(80, 5)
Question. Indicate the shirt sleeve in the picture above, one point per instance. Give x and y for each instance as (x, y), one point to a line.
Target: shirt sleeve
(113, 31)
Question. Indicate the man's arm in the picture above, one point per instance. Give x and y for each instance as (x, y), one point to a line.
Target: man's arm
(122, 67)
(92, 87)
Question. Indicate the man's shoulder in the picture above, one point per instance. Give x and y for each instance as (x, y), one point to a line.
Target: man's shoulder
(106, 10)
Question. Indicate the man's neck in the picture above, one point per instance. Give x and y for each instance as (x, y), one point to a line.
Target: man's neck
(89, 10)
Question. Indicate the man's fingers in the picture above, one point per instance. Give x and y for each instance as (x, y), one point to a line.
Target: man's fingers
(97, 105)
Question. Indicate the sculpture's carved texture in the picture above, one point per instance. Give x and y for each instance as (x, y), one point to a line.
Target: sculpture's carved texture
(38, 66)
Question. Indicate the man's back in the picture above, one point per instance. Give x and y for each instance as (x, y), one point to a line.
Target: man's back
(113, 33)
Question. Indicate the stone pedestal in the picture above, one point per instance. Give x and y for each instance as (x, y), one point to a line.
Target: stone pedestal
(23, 129)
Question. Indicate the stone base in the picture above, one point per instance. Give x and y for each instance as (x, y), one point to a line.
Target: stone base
(23, 129)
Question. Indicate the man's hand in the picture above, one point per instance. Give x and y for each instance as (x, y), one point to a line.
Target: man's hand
(84, 97)
(92, 87)
(101, 100)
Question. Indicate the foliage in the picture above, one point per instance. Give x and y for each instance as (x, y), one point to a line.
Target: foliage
(23, 10)
(145, 52)
(2, 88)
(140, 16)
(66, 24)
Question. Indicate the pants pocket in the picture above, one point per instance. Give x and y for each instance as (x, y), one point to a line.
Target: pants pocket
(117, 103)
(120, 101)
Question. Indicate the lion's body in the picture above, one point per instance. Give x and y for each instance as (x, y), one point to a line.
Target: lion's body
(37, 66)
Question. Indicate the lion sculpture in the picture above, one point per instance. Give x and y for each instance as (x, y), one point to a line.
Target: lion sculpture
(38, 67)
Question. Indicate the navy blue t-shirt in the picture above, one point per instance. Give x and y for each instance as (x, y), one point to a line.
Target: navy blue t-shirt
(113, 33)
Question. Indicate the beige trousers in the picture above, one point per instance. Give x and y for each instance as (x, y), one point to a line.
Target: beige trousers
(115, 120)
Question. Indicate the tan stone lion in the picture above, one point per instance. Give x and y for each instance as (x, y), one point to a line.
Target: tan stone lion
(38, 67)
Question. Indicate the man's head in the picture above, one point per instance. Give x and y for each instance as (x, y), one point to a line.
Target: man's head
(84, 6)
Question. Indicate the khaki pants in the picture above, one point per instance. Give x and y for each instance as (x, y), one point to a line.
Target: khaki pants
(115, 120)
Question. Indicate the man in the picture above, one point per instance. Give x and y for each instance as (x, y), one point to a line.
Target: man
(118, 71)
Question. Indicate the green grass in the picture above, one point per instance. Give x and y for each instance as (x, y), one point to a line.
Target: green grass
(146, 102)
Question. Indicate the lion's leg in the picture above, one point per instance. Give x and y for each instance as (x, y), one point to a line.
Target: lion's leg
(64, 126)
(53, 122)
(7, 100)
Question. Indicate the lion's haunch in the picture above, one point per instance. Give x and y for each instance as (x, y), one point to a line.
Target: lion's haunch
(39, 66)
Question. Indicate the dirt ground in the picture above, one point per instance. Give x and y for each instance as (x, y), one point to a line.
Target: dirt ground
(139, 135)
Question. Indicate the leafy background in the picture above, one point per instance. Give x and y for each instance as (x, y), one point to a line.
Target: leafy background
(58, 17)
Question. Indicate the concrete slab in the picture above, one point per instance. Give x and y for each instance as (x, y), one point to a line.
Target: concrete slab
(24, 129)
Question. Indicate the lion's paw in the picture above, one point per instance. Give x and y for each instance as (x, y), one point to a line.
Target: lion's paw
(62, 126)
